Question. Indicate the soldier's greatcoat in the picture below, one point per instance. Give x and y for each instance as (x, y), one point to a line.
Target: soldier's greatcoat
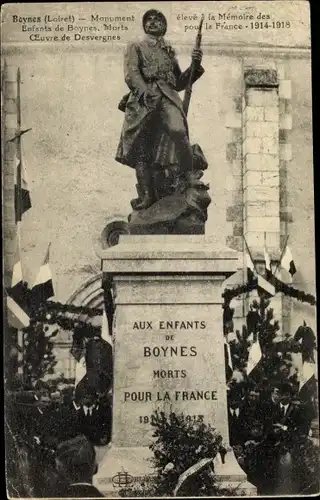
(146, 137)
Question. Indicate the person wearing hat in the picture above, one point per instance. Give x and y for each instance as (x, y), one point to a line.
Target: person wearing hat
(76, 465)
(155, 130)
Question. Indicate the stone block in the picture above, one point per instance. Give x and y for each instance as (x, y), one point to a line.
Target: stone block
(271, 113)
(282, 106)
(236, 135)
(284, 135)
(257, 224)
(273, 239)
(252, 178)
(11, 122)
(261, 193)
(256, 209)
(254, 113)
(251, 145)
(261, 129)
(10, 106)
(254, 238)
(270, 179)
(286, 215)
(11, 89)
(261, 162)
(285, 89)
(261, 97)
(285, 121)
(235, 242)
(270, 145)
(234, 212)
(231, 151)
(285, 152)
(238, 229)
(271, 208)
(233, 120)
(270, 129)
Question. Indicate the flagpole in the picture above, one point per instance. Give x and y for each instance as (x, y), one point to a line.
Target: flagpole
(282, 254)
(248, 250)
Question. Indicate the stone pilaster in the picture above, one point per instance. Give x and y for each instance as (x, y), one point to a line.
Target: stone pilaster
(261, 180)
(261, 165)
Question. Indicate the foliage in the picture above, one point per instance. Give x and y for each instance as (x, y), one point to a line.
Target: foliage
(280, 287)
(179, 444)
(182, 443)
(38, 356)
(276, 361)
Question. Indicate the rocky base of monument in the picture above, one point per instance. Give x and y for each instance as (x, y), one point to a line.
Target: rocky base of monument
(179, 213)
(180, 201)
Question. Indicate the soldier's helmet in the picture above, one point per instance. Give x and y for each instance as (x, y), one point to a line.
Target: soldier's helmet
(155, 12)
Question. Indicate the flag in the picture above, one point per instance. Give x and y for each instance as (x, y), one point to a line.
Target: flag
(17, 278)
(250, 266)
(249, 262)
(43, 286)
(17, 318)
(255, 355)
(287, 261)
(19, 290)
(81, 370)
(267, 258)
(308, 371)
(21, 189)
(266, 286)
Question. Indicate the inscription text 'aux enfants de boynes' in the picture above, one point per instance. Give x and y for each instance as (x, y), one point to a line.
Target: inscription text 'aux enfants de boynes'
(167, 352)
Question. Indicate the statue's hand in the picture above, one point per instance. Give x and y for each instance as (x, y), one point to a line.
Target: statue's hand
(151, 99)
(197, 56)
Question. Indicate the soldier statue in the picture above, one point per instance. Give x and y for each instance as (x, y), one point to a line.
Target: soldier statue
(155, 132)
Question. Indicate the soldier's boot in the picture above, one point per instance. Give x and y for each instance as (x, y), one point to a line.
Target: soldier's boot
(144, 178)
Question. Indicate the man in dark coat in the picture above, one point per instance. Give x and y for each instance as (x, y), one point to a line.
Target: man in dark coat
(285, 424)
(155, 131)
(235, 406)
(76, 465)
(94, 415)
(250, 413)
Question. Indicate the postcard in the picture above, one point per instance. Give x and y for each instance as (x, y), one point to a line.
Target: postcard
(159, 249)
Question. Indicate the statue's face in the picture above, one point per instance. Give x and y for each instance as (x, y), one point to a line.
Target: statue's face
(154, 25)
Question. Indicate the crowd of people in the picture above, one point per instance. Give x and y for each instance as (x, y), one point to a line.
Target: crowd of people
(269, 431)
(51, 445)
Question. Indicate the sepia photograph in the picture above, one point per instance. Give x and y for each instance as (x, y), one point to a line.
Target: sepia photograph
(159, 269)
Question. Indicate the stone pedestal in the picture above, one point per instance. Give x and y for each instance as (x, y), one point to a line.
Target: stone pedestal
(168, 345)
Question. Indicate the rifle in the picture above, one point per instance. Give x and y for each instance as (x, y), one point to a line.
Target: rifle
(188, 91)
